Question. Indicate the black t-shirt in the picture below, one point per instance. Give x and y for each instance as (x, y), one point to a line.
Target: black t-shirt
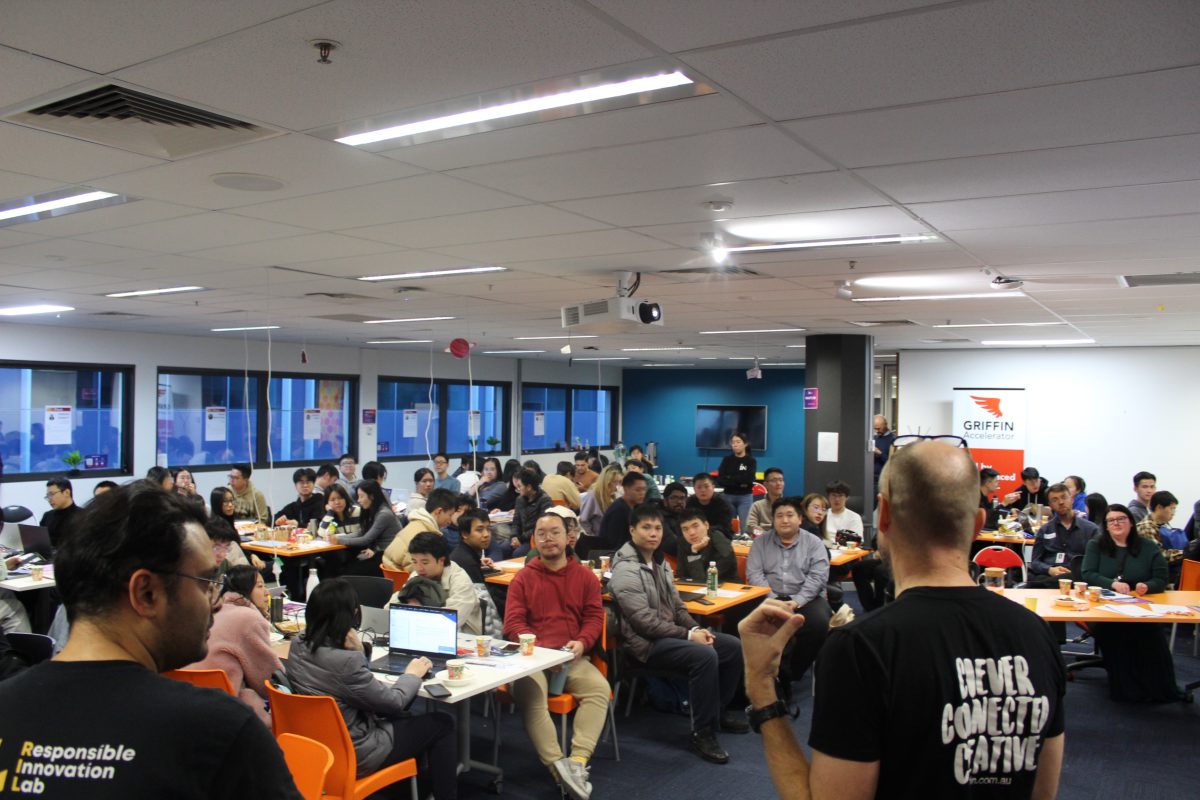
(718, 512)
(951, 689)
(469, 560)
(304, 512)
(59, 522)
(113, 729)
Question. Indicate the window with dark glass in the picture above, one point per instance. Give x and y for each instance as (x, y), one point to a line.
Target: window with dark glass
(556, 418)
(207, 418)
(408, 418)
(543, 418)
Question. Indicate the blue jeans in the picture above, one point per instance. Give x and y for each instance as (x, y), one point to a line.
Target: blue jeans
(741, 506)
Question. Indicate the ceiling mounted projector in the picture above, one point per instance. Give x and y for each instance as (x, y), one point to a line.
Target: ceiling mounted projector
(1003, 284)
(616, 313)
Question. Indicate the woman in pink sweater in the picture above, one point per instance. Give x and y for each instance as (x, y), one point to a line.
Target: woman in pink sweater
(240, 642)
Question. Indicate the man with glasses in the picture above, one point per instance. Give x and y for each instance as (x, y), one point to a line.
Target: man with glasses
(558, 599)
(63, 513)
(760, 517)
(348, 466)
(1060, 540)
(140, 587)
(444, 480)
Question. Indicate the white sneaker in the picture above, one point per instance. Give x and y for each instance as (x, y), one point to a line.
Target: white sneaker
(573, 777)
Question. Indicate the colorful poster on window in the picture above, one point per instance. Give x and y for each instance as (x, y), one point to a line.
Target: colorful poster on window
(312, 423)
(57, 425)
(539, 423)
(214, 424)
(473, 420)
(993, 423)
(410, 424)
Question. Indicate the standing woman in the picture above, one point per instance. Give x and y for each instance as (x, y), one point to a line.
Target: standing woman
(328, 659)
(378, 527)
(1138, 661)
(736, 477)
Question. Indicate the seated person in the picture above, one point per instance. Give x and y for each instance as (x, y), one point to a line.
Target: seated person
(673, 503)
(1059, 541)
(601, 496)
(475, 536)
(839, 517)
(558, 599)
(327, 475)
(226, 551)
(308, 507)
(1156, 527)
(700, 546)
(584, 476)
(378, 529)
(1078, 489)
(869, 574)
(1032, 490)
(561, 488)
(760, 510)
(1139, 664)
(423, 484)
(328, 659)
(1144, 486)
(989, 483)
(443, 479)
(248, 501)
(572, 523)
(430, 554)
(795, 566)
(431, 518)
(239, 641)
(341, 516)
(106, 486)
(462, 504)
(657, 630)
(637, 465)
(532, 502)
(614, 525)
(715, 507)
(61, 517)
(13, 616)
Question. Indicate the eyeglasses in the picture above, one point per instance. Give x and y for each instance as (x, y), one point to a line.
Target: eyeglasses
(50, 495)
(1110, 521)
(215, 585)
(552, 534)
(913, 438)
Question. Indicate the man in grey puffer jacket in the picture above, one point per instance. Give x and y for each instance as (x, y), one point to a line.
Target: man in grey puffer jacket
(657, 630)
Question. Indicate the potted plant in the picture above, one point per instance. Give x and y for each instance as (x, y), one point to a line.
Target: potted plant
(493, 442)
(73, 459)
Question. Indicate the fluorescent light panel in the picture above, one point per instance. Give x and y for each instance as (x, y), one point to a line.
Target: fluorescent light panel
(651, 349)
(589, 94)
(999, 325)
(892, 239)
(1035, 342)
(548, 338)
(796, 346)
(969, 296)
(761, 330)
(400, 341)
(51, 205)
(147, 292)
(407, 319)
(247, 328)
(433, 273)
(24, 311)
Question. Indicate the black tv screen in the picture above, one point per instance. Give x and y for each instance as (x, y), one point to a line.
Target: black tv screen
(715, 424)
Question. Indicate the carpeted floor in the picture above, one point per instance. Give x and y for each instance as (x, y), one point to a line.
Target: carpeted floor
(1113, 750)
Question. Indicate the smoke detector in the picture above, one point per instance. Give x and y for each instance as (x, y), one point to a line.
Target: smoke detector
(718, 205)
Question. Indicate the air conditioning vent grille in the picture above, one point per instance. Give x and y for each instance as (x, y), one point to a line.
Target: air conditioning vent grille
(1165, 279)
(712, 270)
(120, 103)
(595, 308)
(570, 316)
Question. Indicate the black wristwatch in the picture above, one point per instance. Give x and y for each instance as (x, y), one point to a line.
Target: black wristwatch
(757, 716)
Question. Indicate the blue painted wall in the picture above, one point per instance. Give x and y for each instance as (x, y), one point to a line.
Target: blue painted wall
(660, 405)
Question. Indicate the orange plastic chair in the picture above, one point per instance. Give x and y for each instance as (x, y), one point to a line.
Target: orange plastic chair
(398, 577)
(204, 678)
(317, 717)
(309, 761)
(1189, 581)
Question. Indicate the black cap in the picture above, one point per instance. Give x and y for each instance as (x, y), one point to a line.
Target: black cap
(1029, 473)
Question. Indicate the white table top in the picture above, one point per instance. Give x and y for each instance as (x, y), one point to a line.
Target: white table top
(493, 671)
(26, 583)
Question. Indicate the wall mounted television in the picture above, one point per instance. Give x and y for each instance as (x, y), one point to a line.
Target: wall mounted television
(716, 423)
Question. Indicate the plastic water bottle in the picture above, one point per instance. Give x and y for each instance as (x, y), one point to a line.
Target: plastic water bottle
(311, 583)
(710, 589)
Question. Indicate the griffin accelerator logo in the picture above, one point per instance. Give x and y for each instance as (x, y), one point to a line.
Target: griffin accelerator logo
(989, 404)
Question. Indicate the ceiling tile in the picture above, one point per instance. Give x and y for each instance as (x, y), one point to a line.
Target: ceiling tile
(384, 264)
(55, 254)
(195, 232)
(729, 155)
(105, 218)
(481, 226)
(26, 76)
(60, 158)
(567, 245)
(295, 250)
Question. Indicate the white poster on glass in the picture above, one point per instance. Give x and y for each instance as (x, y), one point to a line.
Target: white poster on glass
(312, 423)
(57, 424)
(410, 424)
(539, 423)
(472, 423)
(214, 424)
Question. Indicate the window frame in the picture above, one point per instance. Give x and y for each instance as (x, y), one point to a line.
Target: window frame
(571, 388)
(443, 401)
(259, 459)
(127, 420)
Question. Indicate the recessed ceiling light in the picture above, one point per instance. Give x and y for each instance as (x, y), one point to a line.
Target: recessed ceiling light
(650, 349)
(589, 94)
(902, 282)
(433, 273)
(548, 338)
(708, 358)
(969, 296)
(1035, 342)
(51, 205)
(665, 365)
(892, 239)
(400, 341)
(23, 311)
(407, 319)
(247, 328)
(998, 325)
(604, 358)
(759, 330)
(146, 292)
(509, 352)
(796, 346)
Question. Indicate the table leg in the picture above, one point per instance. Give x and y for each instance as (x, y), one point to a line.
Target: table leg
(465, 762)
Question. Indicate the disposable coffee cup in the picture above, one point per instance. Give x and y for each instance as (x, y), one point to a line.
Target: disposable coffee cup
(1031, 603)
(605, 562)
(37, 572)
(455, 669)
(483, 646)
(527, 642)
(1093, 594)
(1064, 585)
(1080, 589)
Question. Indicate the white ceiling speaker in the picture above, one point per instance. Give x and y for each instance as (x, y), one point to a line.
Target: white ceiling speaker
(1003, 284)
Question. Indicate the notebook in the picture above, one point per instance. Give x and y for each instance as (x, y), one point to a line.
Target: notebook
(418, 631)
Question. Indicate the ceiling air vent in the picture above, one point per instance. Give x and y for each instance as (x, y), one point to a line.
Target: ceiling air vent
(1166, 279)
(943, 341)
(118, 315)
(342, 297)
(875, 323)
(141, 123)
(712, 270)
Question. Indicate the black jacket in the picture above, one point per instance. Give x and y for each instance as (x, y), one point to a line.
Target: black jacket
(694, 566)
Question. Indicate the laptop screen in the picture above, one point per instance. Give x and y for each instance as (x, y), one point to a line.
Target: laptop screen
(35, 539)
(417, 629)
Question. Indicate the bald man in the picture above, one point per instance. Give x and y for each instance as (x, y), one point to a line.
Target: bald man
(962, 681)
(883, 445)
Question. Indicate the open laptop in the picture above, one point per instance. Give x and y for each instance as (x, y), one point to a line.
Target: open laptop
(35, 539)
(418, 631)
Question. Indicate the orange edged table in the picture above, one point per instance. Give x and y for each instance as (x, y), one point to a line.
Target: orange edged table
(1094, 612)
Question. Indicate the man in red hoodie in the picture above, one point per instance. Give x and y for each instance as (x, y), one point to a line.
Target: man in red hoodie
(558, 599)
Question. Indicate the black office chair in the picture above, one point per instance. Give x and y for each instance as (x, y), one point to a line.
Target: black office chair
(33, 647)
(372, 591)
(1082, 660)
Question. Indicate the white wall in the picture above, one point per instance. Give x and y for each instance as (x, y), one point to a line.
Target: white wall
(147, 352)
(1100, 413)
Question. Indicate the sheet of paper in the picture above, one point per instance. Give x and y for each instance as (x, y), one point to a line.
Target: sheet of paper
(1130, 611)
(214, 424)
(473, 418)
(827, 446)
(410, 424)
(728, 593)
(57, 425)
(312, 423)
(539, 423)
(1164, 608)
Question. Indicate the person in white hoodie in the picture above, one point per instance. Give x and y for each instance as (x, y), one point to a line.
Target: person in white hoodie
(430, 554)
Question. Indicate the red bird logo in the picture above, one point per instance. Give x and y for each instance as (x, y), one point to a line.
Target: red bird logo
(989, 404)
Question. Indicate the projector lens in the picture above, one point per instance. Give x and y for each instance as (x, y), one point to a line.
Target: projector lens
(649, 312)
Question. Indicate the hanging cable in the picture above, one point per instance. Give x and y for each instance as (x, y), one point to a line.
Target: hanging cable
(429, 408)
(270, 420)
